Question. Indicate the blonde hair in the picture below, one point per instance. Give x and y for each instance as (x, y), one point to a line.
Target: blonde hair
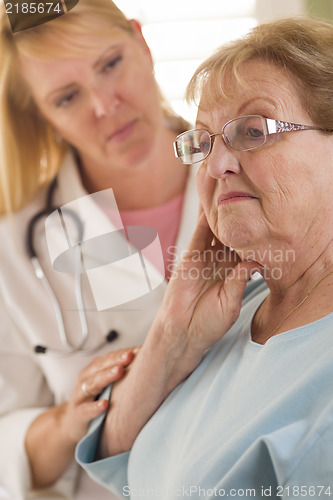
(302, 47)
(30, 153)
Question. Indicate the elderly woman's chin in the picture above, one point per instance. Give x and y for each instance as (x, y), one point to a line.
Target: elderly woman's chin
(238, 234)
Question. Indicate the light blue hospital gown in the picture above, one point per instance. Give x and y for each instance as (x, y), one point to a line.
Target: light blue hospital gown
(251, 421)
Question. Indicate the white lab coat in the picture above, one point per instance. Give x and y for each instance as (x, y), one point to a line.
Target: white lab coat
(29, 383)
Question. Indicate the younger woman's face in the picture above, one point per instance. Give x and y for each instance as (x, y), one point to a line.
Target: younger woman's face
(107, 104)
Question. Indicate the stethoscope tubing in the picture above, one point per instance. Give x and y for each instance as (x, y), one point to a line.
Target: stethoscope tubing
(69, 348)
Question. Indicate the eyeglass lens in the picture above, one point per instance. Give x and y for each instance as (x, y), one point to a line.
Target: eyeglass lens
(245, 133)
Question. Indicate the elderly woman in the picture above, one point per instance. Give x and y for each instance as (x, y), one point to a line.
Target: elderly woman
(253, 415)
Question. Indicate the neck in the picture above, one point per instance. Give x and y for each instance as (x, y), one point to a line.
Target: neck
(300, 293)
(154, 181)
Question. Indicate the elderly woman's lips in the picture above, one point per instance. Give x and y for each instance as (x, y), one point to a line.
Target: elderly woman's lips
(122, 132)
(223, 199)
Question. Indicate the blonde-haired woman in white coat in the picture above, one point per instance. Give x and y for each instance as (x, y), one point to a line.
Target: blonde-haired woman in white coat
(79, 103)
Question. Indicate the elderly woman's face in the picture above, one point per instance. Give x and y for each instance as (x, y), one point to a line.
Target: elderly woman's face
(276, 193)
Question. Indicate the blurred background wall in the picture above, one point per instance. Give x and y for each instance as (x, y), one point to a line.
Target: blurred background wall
(181, 33)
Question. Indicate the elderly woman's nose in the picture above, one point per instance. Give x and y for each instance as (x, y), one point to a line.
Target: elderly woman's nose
(222, 160)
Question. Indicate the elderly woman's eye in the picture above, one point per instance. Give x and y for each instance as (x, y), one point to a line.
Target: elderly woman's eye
(204, 147)
(255, 132)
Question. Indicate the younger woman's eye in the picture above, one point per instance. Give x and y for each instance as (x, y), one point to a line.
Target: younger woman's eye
(113, 63)
(66, 100)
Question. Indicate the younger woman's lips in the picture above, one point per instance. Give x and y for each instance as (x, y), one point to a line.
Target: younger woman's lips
(123, 132)
(235, 196)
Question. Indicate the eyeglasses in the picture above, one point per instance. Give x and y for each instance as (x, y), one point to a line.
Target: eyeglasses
(242, 134)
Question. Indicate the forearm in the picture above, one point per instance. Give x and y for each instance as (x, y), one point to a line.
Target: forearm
(195, 315)
(164, 361)
(49, 449)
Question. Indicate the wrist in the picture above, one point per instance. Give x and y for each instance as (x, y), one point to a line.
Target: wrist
(175, 354)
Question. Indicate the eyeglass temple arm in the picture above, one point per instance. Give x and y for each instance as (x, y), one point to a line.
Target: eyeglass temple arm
(175, 147)
(277, 126)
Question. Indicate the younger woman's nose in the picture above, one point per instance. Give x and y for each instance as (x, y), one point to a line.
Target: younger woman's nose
(104, 105)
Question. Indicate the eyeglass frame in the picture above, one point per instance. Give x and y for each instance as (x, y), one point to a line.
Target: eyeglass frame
(272, 126)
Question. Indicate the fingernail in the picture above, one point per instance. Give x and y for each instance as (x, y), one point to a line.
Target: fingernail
(114, 370)
(102, 403)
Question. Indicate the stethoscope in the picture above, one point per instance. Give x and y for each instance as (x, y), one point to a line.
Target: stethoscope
(69, 348)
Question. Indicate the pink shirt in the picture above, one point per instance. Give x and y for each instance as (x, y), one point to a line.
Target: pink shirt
(165, 219)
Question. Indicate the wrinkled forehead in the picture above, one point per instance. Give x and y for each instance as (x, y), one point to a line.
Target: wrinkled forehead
(250, 80)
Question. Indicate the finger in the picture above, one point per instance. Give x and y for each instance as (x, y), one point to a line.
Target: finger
(201, 236)
(200, 211)
(95, 384)
(224, 257)
(234, 287)
(88, 411)
(121, 356)
(204, 239)
(84, 413)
